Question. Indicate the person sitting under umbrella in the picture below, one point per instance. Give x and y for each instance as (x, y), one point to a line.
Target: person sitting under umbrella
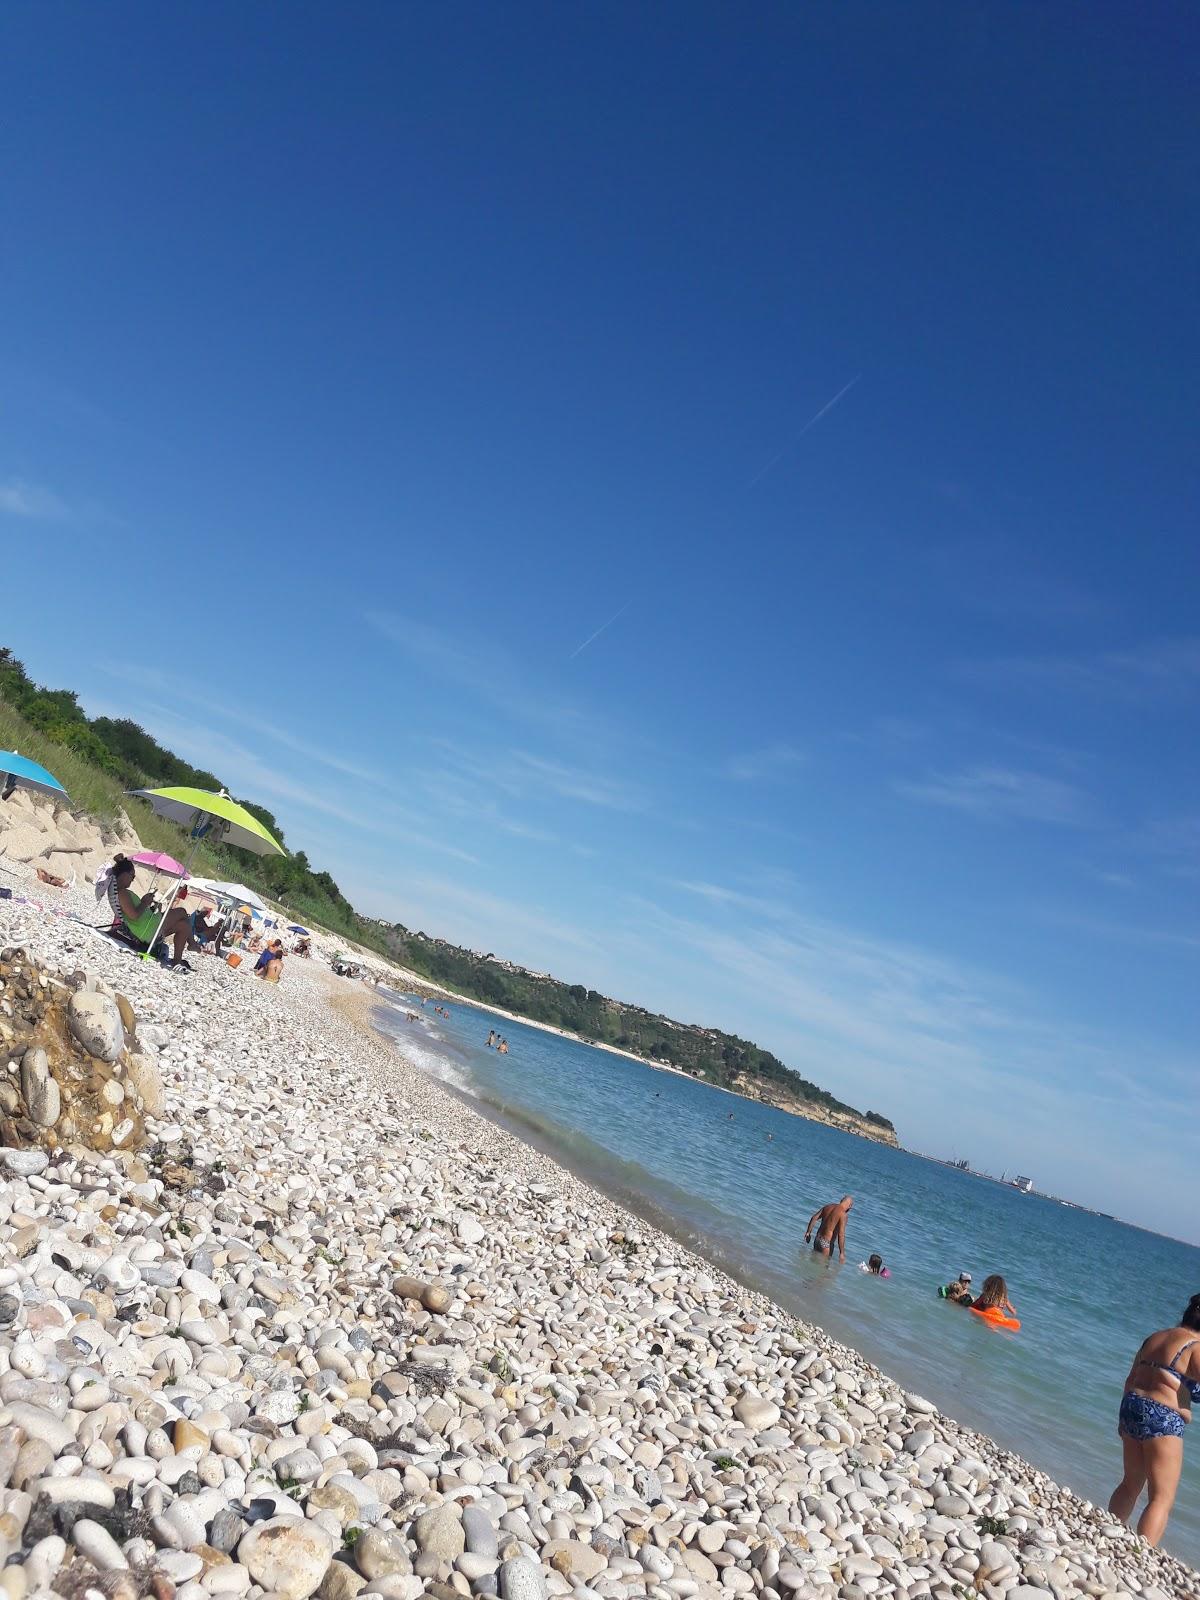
(270, 964)
(139, 914)
(205, 932)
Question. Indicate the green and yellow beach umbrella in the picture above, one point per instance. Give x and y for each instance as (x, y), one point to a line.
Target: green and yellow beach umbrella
(215, 817)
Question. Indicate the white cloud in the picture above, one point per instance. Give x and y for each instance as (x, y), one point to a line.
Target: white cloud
(1157, 669)
(580, 783)
(772, 761)
(1124, 932)
(478, 920)
(488, 675)
(996, 794)
(1174, 842)
(321, 754)
(21, 499)
(718, 894)
(467, 783)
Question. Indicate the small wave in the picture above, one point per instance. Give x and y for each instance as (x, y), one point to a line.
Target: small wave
(435, 1065)
(417, 1044)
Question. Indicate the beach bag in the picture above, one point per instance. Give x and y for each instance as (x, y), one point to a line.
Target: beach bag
(233, 960)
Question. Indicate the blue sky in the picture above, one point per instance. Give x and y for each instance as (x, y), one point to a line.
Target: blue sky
(700, 502)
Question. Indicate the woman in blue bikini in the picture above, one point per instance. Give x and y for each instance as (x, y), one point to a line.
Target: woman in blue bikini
(1160, 1388)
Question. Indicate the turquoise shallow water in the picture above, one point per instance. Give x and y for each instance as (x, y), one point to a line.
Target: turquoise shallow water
(1088, 1289)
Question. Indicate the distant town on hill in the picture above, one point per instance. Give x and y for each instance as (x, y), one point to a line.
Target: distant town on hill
(110, 756)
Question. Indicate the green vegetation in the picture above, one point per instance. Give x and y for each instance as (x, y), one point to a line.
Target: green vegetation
(99, 759)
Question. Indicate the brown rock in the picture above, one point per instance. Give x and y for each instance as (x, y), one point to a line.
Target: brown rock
(161, 1587)
(188, 1436)
(210, 1557)
(435, 1298)
(438, 1589)
(341, 1582)
(329, 1497)
(408, 1288)
(24, 1242)
(103, 1304)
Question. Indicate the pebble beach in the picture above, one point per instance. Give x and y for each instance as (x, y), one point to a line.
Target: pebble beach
(330, 1331)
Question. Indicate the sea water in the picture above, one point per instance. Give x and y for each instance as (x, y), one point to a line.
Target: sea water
(738, 1181)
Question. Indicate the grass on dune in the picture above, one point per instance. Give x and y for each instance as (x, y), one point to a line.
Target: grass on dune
(90, 789)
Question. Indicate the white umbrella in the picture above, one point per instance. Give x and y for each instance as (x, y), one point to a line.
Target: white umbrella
(228, 891)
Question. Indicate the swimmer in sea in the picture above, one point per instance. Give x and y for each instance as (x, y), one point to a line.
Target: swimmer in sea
(830, 1223)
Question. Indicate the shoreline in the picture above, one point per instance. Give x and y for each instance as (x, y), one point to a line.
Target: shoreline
(594, 1408)
(625, 1206)
(646, 1061)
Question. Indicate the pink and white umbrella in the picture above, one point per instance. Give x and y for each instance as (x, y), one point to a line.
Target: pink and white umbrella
(159, 861)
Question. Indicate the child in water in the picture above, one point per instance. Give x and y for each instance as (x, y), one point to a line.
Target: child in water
(874, 1265)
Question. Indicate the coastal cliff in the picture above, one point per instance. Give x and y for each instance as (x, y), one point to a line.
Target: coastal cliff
(848, 1120)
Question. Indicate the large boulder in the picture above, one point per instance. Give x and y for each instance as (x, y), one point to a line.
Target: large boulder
(96, 1022)
(67, 1092)
(38, 1086)
(37, 832)
(23, 843)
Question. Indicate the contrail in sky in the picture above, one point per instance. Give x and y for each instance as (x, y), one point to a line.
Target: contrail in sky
(592, 637)
(811, 423)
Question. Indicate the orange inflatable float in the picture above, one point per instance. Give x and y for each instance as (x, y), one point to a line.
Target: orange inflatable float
(996, 1317)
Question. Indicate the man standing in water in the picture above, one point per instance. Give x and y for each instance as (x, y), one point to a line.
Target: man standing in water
(830, 1223)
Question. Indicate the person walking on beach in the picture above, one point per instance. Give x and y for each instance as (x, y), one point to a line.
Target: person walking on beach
(1163, 1382)
(830, 1222)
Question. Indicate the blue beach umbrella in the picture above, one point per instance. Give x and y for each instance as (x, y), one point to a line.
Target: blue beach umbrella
(17, 770)
(294, 927)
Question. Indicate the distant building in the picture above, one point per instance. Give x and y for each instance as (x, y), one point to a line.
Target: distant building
(1025, 1185)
